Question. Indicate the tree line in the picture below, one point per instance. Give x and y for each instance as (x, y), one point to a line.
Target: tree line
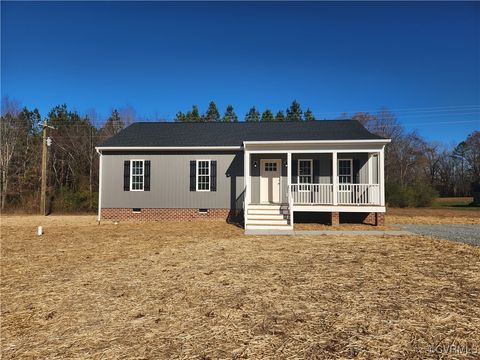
(415, 169)
(72, 158)
(292, 113)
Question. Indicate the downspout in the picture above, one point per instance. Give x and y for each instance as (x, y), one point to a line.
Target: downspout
(99, 186)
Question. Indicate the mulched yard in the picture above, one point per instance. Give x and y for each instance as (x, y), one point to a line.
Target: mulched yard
(205, 291)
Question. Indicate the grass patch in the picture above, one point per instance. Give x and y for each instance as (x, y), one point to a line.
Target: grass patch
(454, 202)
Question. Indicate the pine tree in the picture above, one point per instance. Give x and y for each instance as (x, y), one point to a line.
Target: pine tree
(212, 113)
(194, 115)
(267, 115)
(253, 115)
(113, 124)
(180, 117)
(230, 115)
(280, 116)
(294, 112)
(308, 115)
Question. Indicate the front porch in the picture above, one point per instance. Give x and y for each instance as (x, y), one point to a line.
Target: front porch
(312, 177)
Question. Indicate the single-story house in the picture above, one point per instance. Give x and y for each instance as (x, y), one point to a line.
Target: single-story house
(263, 173)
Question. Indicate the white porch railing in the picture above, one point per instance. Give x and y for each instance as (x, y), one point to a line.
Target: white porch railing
(358, 194)
(347, 194)
(312, 193)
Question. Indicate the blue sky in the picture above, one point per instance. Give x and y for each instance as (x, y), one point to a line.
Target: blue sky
(422, 60)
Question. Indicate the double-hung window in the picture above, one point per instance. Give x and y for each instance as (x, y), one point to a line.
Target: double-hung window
(345, 173)
(305, 174)
(203, 175)
(137, 175)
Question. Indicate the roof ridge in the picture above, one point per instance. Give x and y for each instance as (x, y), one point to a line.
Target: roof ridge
(241, 122)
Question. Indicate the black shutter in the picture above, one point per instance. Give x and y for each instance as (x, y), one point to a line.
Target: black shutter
(316, 171)
(213, 177)
(146, 184)
(356, 171)
(295, 171)
(193, 174)
(126, 175)
(331, 171)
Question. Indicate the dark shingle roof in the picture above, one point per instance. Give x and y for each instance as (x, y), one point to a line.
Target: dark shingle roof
(171, 134)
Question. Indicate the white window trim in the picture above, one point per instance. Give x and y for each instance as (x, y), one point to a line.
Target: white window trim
(300, 187)
(143, 174)
(311, 170)
(209, 175)
(351, 174)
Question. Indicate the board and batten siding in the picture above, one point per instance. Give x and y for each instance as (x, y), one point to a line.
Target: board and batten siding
(322, 170)
(322, 167)
(170, 181)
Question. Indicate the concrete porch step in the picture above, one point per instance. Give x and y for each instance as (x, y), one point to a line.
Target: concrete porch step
(268, 229)
(266, 216)
(263, 211)
(264, 207)
(280, 221)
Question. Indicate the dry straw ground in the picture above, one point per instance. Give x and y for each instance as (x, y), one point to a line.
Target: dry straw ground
(204, 290)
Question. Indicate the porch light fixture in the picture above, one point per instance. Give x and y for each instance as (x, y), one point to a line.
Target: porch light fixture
(255, 164)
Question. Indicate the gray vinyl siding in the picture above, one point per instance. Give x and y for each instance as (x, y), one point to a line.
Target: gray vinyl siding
(170, 178)
(170, 181)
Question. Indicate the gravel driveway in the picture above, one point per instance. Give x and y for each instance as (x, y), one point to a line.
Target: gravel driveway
(469, 234)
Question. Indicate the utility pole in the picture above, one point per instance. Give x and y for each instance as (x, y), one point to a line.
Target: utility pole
(43, 192)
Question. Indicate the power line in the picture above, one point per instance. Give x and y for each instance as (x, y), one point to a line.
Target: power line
(431, 124)
(416, 109)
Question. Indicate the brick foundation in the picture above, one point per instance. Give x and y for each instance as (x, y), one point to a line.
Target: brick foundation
(375, 218)
(380, 219)
(370, 219)
(124, 214)
(335, 219)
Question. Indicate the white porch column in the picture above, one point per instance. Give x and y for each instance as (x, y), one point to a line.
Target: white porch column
(370, 168)
(247, 184)
(289, 190)
(381, 175)
(289, 169)
(334, 178)
(370, 191)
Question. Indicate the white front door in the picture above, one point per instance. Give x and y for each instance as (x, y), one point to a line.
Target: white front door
(270, 171)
